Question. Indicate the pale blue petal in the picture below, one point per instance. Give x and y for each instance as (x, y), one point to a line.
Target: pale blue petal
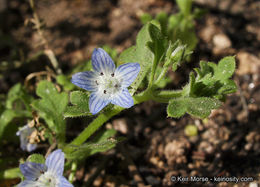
(128, 72)
(27, 183)
(123, 99)
(97, 102)
(63, 182)
(24, 133)
(55, 162)
(102, 62)
(31, 147)
(85, 80)
(31, 170)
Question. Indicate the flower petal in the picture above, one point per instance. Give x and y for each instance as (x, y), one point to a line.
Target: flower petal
(123, 99)
(31, 170)
(55, 162)
(24, 133)
(128, 72)
(27, 183)
(102, 62)
(31, 147)
(63, 182)
(97, 102)
(85, 80)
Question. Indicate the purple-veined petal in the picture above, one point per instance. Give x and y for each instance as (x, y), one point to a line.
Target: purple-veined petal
(55, 162)
(85, 80)
(31, 170)
(128, 72)
(63, 182)
(97, 102)
(27, 183)
(123, 99)
(102, 62)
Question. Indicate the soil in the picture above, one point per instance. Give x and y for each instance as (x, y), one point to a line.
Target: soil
(156, 147)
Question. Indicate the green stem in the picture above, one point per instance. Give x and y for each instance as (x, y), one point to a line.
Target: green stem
(150, 83)
(149, 94)
(163, 72)
(102, 118)
(169, 94)
(73, 171)
(94, 125)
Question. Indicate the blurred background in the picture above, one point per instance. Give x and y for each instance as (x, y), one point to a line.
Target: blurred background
(225, 144)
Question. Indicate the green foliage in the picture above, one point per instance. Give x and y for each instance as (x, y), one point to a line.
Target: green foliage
(178, 26)
(162, 18)
(51, 107)
(64, 81)
(36, 158)
(203, 93)
(80, 105)
(139, 53)
(101, 143)
(185, 6)
(158, 45)
(18, 94)
(8, 115)
(17, 105)
(198, 107)
(10, 174)
(145, 18)
(213, 80)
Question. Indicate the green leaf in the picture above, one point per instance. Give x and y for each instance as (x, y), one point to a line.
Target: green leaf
(36, 158)
(18, 93)
(65, 82)
(11, 174)
(145, 18)
(80, 105)
(162, 18)
(139, 53)
(198, 107)
(158, 45)
(212, 79)
(226, 68)
(176, 108)
(8, 115)
(185, 6)
(101, 143)
(51, 106)
(201, 107)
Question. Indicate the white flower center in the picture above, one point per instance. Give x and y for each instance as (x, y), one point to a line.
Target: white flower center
(48, 179)
(108, 84)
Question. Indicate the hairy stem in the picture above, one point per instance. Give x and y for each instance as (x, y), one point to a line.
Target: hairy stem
(149, 94)
(102, 118)
(151, 78)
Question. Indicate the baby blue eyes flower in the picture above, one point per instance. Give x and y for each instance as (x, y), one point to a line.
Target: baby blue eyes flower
(24, 133)
(107, 83)
(45, 175)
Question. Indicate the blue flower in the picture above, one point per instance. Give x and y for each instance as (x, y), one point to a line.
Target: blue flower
(45, 175)
(107, 83)
(24, 133)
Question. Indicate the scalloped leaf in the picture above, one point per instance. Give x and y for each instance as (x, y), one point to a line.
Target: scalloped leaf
(141, 54)
(80, 106)
(199, 107)
(101, 143)
(51, 106)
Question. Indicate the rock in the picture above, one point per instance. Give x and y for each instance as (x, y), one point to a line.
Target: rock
(221, 41)
(248, 63)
